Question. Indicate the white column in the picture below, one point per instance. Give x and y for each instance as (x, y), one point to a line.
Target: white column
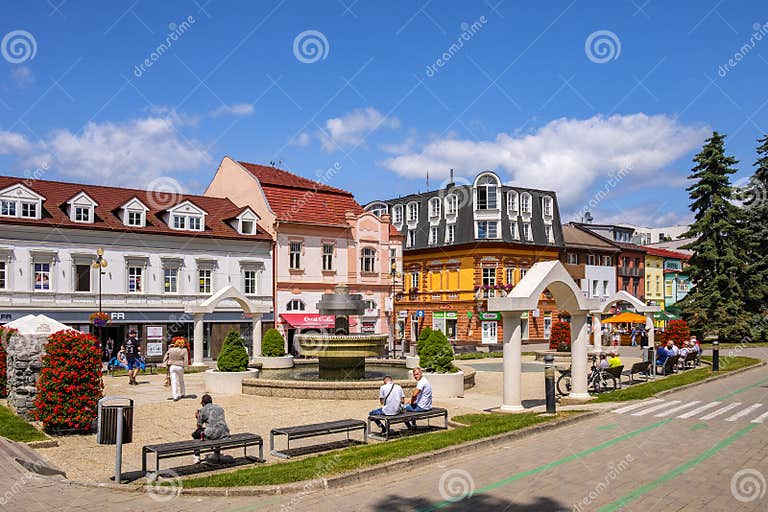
(256, 336)
(513, 340)
(579, 341)
(198, 340)
(597, 331)
(651, 340)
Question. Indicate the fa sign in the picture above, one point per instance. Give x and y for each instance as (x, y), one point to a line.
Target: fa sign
(117, 316)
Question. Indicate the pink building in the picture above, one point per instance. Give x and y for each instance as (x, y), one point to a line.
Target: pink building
(323, 238)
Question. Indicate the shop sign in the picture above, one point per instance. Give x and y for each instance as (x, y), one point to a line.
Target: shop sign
(154, 332)
(448, 315)
(490, 316)
(536, 313)
(155, 349)
(419, 313)
(368, 328)
(402, 314)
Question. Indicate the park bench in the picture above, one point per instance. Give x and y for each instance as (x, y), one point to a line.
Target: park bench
(690, 357)
(615, 372)
(388, 421)
(464, 349)
(669, 365)
(314, 430)
(181, 448)
(642, 367)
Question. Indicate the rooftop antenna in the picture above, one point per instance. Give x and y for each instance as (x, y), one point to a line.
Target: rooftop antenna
(451, 180)
(275, 163)
(427, 181)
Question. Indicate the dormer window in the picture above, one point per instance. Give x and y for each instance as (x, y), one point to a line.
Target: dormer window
(378, 209)
(186, 216)
(20, 202)
(512, 203)
(525, 203)
(451, 204)
(487, 187)
(546, 207)
(81, 208)
(413, 212)
(434, 208)
(246, 222)
(135, 213)
(397, 214)
(133, 218)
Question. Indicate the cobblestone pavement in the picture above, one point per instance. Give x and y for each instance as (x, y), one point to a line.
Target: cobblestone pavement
(642, 457)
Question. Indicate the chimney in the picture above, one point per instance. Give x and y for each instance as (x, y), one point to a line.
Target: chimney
(450, 183)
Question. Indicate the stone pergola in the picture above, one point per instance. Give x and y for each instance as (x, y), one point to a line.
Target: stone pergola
(623, 297)
(551, 276)
(209, 306)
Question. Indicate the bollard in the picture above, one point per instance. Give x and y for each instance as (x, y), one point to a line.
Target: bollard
(549, 382)
(715, 356)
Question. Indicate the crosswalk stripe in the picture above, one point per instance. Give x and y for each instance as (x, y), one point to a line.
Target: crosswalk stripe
(743, 412)
(720, 411)
(655, 408)
(761, 418)
(677, 409)
(638, 405)
(698, 410)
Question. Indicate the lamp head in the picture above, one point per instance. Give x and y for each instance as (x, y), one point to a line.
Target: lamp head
(100, 251)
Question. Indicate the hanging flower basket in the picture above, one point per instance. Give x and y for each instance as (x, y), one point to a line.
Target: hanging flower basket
(99, 319)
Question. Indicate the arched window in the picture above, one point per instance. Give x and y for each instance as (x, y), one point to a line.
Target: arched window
(434, 208)
(368, 260)
(512, 206)
(525, 203)
(378, 209)
(413, 212)
(397, 214)
(546, 206)
(451, 204)
(487, 187)
(295, 305)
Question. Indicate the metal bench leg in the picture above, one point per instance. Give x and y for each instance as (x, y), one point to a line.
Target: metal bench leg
(271, 442)
(261, 452)
(365, 435)
(446, 422)
(143, 461)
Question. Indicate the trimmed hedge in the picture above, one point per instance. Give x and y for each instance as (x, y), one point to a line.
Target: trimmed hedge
(272, 344)
(436, 354)
(423, 335)
(233, 356)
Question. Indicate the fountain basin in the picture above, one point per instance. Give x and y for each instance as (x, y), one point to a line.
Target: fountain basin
(341, 356)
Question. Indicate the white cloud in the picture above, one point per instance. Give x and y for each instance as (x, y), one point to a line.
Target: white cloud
(651, 215)
(126, 154)
(22, 75)
(237, 109)
(352, 128)
(569, 156)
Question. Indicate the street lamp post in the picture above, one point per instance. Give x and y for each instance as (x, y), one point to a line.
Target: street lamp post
(100, 263)
(393, 329)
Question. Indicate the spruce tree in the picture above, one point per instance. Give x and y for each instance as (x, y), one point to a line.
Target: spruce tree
(716, 305)
(755, 201)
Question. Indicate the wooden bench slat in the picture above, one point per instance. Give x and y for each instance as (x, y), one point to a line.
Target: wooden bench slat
(236, 439)
(318, 428)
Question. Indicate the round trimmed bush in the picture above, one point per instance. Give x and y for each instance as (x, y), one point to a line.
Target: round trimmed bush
(70, 385)
(272, 344)
(436, 354)
(233, 356)
(423, 335)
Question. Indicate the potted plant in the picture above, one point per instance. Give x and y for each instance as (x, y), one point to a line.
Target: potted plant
(273, 351)
(232, 367)
(436, 356)
(560, 338)
(677, 332)
(413, 361)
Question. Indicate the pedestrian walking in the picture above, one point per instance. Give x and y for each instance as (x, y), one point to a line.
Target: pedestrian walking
(175, 360)
(132, 348)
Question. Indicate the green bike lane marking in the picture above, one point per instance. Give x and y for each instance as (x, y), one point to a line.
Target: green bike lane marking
(553, 464)
(741, 390)
(623, 501)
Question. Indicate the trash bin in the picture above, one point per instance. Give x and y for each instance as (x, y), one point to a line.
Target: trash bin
(108, 413)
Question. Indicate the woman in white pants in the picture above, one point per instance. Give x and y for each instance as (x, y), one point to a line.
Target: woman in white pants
(175, 360)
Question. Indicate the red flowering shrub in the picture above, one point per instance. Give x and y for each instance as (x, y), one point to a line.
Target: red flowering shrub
(70, 384)
(560, 338)
(5, 335)
(677, 332)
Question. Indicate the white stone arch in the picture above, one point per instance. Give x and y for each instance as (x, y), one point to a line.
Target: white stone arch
(208, 305)
(640, 307)
(552, 276)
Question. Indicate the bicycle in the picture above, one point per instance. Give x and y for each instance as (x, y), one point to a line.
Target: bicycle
(598, 380)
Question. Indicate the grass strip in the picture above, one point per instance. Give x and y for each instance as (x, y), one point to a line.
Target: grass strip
(649, 389)
(333, 463)
(16, 429)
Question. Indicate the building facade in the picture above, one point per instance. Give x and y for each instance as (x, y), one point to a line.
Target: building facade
(163, 254)
(591, 261)
(466, 244)
(323, 238)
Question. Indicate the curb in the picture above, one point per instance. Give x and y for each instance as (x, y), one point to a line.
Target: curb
(45, 443)
(376, 471)
(710, 379)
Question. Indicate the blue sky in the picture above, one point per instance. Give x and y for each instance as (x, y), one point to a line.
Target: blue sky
(517, 89)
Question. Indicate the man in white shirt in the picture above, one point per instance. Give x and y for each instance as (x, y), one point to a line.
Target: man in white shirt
(421, 400)
(391, 397)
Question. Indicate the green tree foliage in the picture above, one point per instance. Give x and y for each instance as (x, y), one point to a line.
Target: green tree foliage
(272, 344)
(423, 335)
(716, 305)
(233, 356)
(436, 353)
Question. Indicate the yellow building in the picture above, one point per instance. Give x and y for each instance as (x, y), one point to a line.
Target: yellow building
(654, 282)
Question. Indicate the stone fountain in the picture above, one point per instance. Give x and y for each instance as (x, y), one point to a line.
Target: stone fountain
(341, 355)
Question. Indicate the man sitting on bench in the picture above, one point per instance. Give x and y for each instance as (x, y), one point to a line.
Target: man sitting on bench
(391, 397)
(211, 423)
(421, 400)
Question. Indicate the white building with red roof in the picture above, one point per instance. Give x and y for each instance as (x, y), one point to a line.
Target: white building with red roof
(323, 238)
(167, 255)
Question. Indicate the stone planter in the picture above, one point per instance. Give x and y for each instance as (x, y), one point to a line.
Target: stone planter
(227, 383)
(411, 361)
(446, 385)
(273, 363)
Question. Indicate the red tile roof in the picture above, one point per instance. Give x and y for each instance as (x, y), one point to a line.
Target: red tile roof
(110, 199)
(665, 253)
(297, 199)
